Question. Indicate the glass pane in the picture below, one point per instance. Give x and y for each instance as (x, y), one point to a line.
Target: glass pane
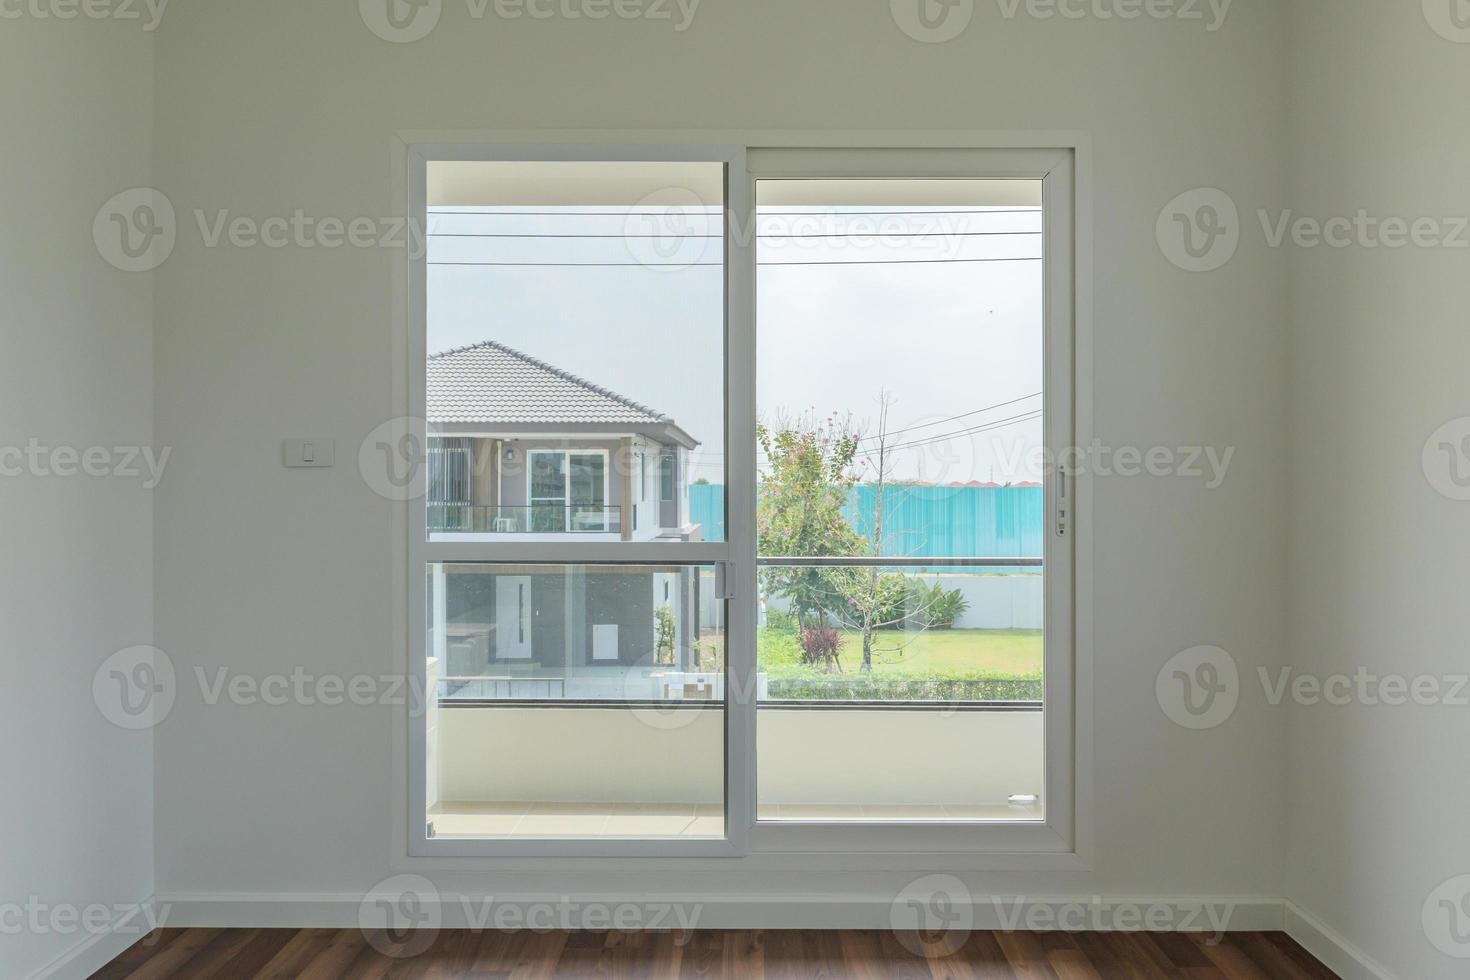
(900, 394)
(577, 308)
(588, 475)
(575, 701)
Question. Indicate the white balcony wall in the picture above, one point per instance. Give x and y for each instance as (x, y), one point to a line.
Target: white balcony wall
(616, 755)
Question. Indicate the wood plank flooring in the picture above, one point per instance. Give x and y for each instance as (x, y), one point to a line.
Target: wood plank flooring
(325, 954)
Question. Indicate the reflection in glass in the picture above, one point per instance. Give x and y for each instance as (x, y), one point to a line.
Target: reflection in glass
(575, 700)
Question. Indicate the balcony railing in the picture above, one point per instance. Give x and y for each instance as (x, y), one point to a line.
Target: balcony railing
(532, 519)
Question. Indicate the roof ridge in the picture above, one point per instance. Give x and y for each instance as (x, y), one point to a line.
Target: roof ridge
(565, 375)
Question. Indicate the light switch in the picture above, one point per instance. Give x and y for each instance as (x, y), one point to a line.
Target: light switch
(309, 452)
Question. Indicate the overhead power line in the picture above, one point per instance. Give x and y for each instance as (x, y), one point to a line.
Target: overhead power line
(952, 418)
(997, 424)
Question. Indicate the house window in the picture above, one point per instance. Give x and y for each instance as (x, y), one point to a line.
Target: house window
(889, 574)
(568, 492)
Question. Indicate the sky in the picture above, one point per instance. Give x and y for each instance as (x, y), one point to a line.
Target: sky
(955, 344)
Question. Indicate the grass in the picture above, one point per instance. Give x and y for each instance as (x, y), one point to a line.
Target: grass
(935, 653)
(932, 665)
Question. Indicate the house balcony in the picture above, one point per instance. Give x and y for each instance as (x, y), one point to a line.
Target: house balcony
(464, 518)
(568, 754)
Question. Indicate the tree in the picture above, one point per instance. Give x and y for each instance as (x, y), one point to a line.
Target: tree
(664, 616)
(874, 600)
(800, 511)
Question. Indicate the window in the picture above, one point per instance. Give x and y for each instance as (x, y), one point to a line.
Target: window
(449, 472)
(854, 633)
(569, 492)
(901, 386)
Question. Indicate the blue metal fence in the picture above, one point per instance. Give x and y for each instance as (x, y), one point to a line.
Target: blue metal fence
(923, 521)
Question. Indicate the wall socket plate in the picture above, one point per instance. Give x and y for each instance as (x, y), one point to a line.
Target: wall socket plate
(309, 452)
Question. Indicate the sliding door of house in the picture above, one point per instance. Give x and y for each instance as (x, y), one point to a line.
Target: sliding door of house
(570, 372)
(750, 515)
(913, 390)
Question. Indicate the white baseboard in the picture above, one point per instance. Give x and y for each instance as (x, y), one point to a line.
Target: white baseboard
(468, 911)
(94, 951)
(1329, 946)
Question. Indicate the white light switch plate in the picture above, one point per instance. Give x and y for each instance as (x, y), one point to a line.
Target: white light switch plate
(309, 452)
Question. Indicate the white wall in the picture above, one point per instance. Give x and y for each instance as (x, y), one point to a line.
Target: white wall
(75, 551)
(1378, 561)
(269, 106)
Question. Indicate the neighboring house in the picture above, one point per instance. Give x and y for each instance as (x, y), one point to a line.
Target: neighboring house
(519, 447)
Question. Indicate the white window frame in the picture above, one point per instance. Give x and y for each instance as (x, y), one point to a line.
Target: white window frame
(1062, 841)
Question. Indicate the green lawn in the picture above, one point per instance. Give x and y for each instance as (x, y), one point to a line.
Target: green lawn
(931, 653)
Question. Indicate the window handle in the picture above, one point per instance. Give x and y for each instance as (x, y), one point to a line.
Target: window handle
(1061, 501)
(723, 591)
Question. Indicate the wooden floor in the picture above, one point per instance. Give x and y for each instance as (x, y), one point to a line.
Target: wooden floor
(791, 954)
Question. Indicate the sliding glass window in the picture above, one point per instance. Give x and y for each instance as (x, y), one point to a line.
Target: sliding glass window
(901, 586)
(740, 529)
(573, 375)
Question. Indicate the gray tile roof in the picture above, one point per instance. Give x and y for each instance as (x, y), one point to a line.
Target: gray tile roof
(494, 384)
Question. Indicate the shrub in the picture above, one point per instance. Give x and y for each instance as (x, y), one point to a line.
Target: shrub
(819, 647)
(934, 606)
(870, 687)
(664, 616)
(780, 621)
